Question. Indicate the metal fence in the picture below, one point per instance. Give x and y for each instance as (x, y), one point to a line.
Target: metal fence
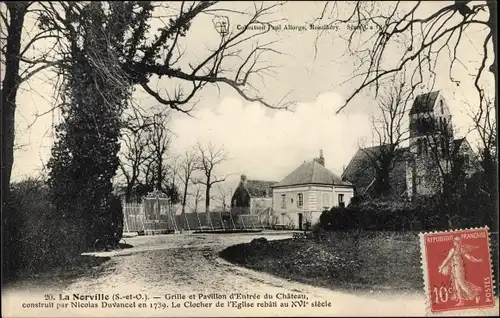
(251, 221)
(133, 217)
(136, 219)
(203, 221)
(169, 218)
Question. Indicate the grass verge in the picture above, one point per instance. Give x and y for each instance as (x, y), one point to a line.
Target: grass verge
(372, 261)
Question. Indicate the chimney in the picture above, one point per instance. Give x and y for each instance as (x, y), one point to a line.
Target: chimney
(321, 159)
(243, 179)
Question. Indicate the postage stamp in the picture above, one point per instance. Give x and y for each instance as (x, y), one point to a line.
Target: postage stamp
(457, 269)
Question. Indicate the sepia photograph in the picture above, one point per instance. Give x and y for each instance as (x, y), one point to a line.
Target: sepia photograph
(249, 158)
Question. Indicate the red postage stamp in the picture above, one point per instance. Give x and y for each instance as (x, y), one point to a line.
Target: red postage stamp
(457, 269)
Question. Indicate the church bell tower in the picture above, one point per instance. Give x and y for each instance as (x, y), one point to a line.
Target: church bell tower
(431, 140)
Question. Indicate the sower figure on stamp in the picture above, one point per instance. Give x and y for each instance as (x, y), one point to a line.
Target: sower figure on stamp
(454, 265)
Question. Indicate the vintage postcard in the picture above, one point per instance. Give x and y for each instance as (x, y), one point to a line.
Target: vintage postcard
(249, 158)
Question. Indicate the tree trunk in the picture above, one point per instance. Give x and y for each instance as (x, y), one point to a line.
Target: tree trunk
(382, 185)
(8, 92)
(184, 199)
(160, 177)
(492, 23)
(128, 192)
(130, 187)
(207, 197)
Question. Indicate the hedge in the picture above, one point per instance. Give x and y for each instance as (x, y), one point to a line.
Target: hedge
(427, 214)
(39, 238)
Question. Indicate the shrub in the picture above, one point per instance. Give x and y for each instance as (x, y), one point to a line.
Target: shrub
(355, 200)
(384, 215)
(422, 214)
(41, 240)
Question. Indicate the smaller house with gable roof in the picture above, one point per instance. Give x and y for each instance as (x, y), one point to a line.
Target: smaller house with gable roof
(308, 191)
(252, 197)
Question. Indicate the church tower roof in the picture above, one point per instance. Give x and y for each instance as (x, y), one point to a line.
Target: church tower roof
(424, 103)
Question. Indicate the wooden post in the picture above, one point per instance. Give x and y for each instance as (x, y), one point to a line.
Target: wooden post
(172, 215)
(157, 217)
(198, 218)
(232, 220)
(210, 220)
(187, 222)
(143, 216)
(222, 221)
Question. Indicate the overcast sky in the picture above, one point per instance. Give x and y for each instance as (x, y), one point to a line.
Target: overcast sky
(261, 143)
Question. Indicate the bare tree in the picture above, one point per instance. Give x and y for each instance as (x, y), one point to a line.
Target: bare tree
(172, 171)
(134, 152)
(445, 162)
(209, 158)
(223, 197)
(187, 165)
(235, 59)
(160, 138)
(231, 61)
(197, 198)
(20, 62)
(218, 66)
(148, 172)
(401, 34)
(483, 122)
(391, 130)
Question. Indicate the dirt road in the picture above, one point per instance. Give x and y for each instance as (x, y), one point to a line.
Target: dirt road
(168, 265)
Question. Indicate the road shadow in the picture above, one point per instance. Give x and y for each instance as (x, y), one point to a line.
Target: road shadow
(125, 246)
(62, 275)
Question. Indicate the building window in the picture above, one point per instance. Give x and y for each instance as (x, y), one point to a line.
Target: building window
(300, 200)
(442, 106)
(326, 200)
(341, 199)
(283, 201)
